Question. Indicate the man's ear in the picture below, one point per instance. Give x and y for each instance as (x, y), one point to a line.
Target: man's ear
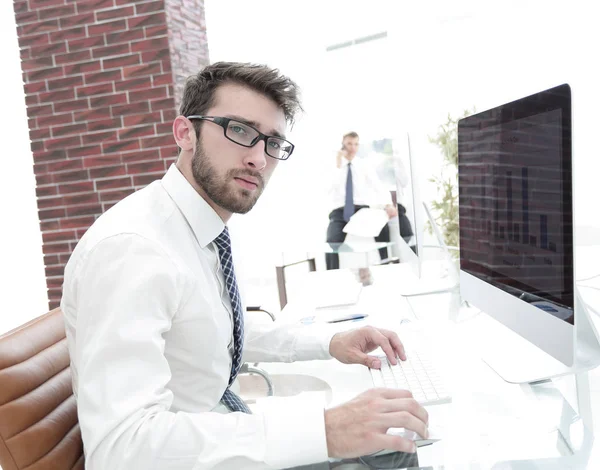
(184, 133)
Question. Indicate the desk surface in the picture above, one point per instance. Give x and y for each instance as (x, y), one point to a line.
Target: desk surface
(490, 423)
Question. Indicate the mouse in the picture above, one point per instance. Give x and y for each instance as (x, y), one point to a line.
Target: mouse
(435, 435)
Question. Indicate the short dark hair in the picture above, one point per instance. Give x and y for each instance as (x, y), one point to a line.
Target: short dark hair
(352, 134)
(199, 92)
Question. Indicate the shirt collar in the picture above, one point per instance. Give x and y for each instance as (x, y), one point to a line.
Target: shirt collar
(205, 222)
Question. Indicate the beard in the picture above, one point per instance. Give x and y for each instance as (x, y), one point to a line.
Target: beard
(232, 198)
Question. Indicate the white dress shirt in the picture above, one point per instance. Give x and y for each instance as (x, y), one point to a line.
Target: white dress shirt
(149, 329)
(367, 188)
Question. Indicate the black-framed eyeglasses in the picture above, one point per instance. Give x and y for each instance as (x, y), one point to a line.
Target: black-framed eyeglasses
(247, 136)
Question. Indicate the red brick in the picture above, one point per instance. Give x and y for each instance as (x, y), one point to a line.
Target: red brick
(144, 180)
(26, 17)
(42, 180)
(140, 156)
(104, 28)
(34, 87)
(78, 199)
(134, 84)
(155, 56)
(92, 90)
(108, 100)
(92, 114)
(152, 19)
(39, 134)
(169, 115)
(58, 11)
(136, 108)
(48, 156)
(160, 43)
(164, 128)
(67, 34)
(100, 77)
(39, 27)
(115, 196)
(149, 7)
(74, 20)
(65, 165)
(37, 63)
(76, 211)
(120, 146)
(50, 225)
(84, 151)
(50, 202)
(166, 66)
(25, 54)
(63, 236)
(77, 222)
(37, 4)
(60, 131)
(91, 5)
(109, 160)
(122, 61)
(34, 40)
(50, 260)
(31, 100)
(145, 167)
(141, 70)
(46, 191)
(135, 132)
(167, 103)
(104, 124)
(54, 96)
(124, 36)
(113, 183)
(70, 188)
(112, 50)
(44, 74)
(61, 83)
(162, 79)
(53, 271)
(73, 105)
(77, 56)
(32, 123)
(20, 6)
(159, 141)
(37, 146)
(137, 119)
(70, 176)
(98, 137)
(86, 43)
(41, 110)
(83, 67)
(155, 31)
(48, 214)
(123, 12)
(168, 152)
(107, 171)
(148, 94)
(55, 120)
(54, 283)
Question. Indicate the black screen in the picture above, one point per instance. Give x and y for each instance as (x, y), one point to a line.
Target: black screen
(515, 199)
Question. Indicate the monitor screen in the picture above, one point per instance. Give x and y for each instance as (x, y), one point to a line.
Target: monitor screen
(515, 199)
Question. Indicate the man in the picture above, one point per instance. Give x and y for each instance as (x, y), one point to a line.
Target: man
(355, 185)
(154, 320)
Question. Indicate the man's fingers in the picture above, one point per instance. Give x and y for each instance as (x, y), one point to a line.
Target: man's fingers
(400, 444)
(405, 419)
(396, 343)
(408, 404)
(392, 393)
(383, 342)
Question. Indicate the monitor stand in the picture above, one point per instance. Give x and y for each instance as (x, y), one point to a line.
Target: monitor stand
(518, 361)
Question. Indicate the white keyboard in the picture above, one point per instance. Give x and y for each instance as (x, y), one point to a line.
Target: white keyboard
(417, 374)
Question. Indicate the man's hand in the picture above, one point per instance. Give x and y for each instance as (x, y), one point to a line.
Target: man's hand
(352, 347)
(338, 158)
(359, 427)
(391, 211)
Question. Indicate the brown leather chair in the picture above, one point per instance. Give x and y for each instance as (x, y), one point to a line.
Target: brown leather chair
(38, 413)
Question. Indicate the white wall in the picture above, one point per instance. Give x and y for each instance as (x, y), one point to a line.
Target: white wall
(22, 283)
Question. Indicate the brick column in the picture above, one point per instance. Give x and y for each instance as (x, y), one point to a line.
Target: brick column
(100, 80)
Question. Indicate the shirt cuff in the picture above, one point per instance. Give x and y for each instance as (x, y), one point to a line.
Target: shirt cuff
(312, 342)
(294, 429)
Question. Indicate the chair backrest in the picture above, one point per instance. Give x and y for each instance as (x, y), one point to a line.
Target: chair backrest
(38, 414)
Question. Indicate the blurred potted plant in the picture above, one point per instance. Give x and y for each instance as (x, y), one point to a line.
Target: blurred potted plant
(445, 208)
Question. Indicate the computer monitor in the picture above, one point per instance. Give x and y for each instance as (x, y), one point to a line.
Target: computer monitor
(420, 280)
(516, 231)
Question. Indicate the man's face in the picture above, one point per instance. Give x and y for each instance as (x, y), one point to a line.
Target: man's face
(350, 146)
(231, 176)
